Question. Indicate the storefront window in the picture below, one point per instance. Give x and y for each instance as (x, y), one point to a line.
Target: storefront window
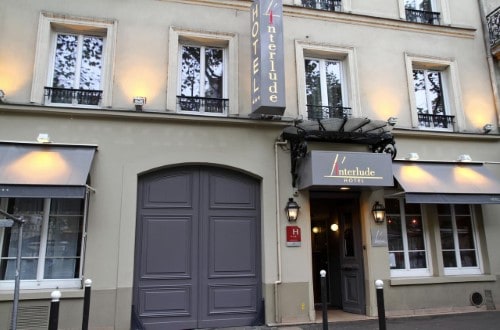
(406, 238)
(51, 240)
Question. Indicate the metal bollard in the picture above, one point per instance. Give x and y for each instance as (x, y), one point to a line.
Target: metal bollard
(379, 285)
(322, 273)
(54, 310)
(86, 304)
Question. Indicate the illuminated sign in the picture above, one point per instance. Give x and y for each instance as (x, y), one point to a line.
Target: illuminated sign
(267, 66)
(293, 236)
(330, 168)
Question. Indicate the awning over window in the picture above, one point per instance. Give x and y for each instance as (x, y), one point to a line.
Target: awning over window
(447, 183)
(44, 170)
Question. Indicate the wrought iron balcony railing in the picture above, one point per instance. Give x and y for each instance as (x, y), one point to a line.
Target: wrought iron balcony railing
(422, 16)
(493, 20)
(436, 121)
(315, 112)
(202, 104)
(329, 5)
(72, 96)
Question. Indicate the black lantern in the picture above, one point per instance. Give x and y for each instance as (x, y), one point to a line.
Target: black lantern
(292, 210)
(378, 212)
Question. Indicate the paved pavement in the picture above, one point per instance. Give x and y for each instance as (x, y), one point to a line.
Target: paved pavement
(489, 320)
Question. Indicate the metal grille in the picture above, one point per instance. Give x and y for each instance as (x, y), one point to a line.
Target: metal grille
(324, 112)
(32, 317)
(493, 20)
(202, 104)
(72, 96)
(422, 16)
(329, 5)
(435, 121)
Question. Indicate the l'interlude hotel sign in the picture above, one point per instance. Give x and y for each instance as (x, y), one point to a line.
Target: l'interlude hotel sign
(267, 67)
(332, 168)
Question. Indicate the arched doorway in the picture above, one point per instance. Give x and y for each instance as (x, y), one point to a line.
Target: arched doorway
(197, 249)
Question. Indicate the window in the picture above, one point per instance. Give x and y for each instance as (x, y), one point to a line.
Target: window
(429, 99)
(202, 80)
(73, 61)
(76, 70)
(406, 239)
(51, 243)
(200, 66)
(434, 94)
(458, 239)
(421, 11)
(324, 82)
(327, 77)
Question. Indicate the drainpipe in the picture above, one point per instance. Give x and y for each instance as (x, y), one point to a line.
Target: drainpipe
(277, 317)
(489, 58)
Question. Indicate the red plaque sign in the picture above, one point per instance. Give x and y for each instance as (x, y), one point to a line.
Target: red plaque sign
(293, 236)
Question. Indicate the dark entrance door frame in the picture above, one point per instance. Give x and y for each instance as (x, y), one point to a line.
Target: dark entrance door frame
(339, 252)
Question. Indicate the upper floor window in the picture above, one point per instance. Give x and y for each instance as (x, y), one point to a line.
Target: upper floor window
(329, 5)
(324, 83)
(52, 237)
(327, 77)
(76, 69)
(202, 81)
(430, 100)
(406, 238)
(421, 11)
(200, 66)
(434, 94)
(458, 239)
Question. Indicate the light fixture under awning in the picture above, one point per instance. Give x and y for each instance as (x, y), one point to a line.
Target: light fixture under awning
(35, 170)
(447, 183)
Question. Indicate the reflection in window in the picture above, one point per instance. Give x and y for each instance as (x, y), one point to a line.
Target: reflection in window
(406, 238)
(52, 238)
(456, 228)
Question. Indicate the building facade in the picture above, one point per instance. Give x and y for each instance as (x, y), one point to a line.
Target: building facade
(153, 146)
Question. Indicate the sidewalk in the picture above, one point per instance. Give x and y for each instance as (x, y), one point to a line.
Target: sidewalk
(489, 320)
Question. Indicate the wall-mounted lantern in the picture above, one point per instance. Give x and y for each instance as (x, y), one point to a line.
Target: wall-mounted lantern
(292, 210)
(378, 211)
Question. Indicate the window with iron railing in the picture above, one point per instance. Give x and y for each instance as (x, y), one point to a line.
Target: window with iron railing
(75, 78)
(421, 11)
(324, 84)
(202, 80)
(430, 100)
(329, 5)
(493, 20)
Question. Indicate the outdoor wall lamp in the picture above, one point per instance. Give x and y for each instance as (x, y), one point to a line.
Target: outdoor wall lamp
(139, 101)
(292, 210)
(487, 128)
(43, 138)
(378, 211)
(2, 96)
(412, 156)
(464, 158)
(392, 121)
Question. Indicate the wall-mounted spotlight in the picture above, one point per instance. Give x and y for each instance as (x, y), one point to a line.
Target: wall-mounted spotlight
(378, 211)
(2, 96)
(464, 158)
(43, 138)
(392, 121)
(139, 101)
(292, 210)
(412, 156)
(487, 128)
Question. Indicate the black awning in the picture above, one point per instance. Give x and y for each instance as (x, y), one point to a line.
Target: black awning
(44, 170)
(447, 183)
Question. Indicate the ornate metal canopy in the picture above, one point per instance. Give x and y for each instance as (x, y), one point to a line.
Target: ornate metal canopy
(374, 133)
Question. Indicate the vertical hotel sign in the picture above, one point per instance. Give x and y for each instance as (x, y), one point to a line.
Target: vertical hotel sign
(268, 73)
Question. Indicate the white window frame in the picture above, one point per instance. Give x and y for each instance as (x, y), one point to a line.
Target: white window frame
(229, 41)
(49, 25)
(451, 88)
(407, 271)
(323, 83)
(39, 282)
(346, 55)
(459, 270)
(440, 6)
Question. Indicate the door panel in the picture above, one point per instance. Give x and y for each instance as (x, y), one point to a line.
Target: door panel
(197, 249)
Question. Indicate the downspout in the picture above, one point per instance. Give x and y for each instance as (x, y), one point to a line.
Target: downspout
(277, 317)
(489, 59)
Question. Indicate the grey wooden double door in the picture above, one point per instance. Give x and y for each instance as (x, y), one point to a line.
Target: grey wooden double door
(197, 259)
